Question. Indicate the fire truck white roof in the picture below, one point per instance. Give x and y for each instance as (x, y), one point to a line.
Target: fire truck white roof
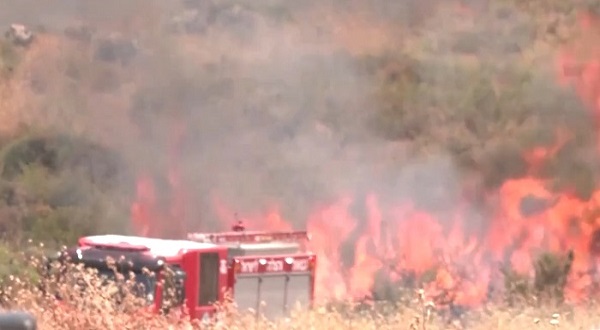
(271, 245)
(157, 246)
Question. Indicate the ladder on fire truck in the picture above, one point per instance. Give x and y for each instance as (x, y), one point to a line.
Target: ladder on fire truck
(241, 236)
(256, 242)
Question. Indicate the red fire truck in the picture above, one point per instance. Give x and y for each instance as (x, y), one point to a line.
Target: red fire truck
(269, 272)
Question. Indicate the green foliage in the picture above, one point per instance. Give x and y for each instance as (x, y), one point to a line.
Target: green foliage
(551, 272)
(517, 287)
(60, 152)
(547, 287)
(9, 58)
(468, 89)
(59, 187)
(59, 226)
(15, 264)
(384, 290)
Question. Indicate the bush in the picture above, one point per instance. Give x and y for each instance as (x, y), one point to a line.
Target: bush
(56, 188)
(15, 264)
(9, 58)
(62, 152)
(548, 285)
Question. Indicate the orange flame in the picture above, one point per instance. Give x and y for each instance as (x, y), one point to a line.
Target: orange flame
(147, 217)
(416, 242)
(401, 240)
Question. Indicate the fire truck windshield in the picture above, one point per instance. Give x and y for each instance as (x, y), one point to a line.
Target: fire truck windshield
(143, 287)
(174, 287)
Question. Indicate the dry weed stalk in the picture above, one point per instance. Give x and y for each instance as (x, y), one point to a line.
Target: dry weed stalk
(89, 303)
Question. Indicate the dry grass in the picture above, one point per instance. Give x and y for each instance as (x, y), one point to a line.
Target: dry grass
(95, 308)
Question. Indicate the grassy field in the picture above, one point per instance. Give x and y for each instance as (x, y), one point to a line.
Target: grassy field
(94, 311)
(95, 308)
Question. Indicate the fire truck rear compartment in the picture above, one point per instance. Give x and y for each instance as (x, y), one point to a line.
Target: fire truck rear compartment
(279, 293)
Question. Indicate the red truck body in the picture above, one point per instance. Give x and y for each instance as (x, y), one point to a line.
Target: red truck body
(268, 272)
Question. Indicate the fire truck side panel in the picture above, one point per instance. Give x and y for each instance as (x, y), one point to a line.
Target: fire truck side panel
(299, 291)
(273, 286)
(272, 295)
(206, 279)
(190, 264)
(246, 290)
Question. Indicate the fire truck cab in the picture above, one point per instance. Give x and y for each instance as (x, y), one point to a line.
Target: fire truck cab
(268, 272)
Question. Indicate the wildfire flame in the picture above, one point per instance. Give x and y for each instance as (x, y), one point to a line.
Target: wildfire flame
(148, 218)
(396, 240)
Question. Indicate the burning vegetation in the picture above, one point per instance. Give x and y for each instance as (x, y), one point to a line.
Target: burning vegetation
(457, 158)
(541, 238)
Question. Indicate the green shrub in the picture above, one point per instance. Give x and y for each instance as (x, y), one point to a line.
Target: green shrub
(548, 285)
(9, 58)
(59, 187)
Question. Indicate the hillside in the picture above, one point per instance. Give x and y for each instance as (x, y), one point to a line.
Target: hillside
(470, 123)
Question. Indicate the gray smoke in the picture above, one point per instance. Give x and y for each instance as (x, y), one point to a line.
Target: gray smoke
(276, 97)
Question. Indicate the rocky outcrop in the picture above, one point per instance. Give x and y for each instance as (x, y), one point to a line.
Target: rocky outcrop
(19, 34)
